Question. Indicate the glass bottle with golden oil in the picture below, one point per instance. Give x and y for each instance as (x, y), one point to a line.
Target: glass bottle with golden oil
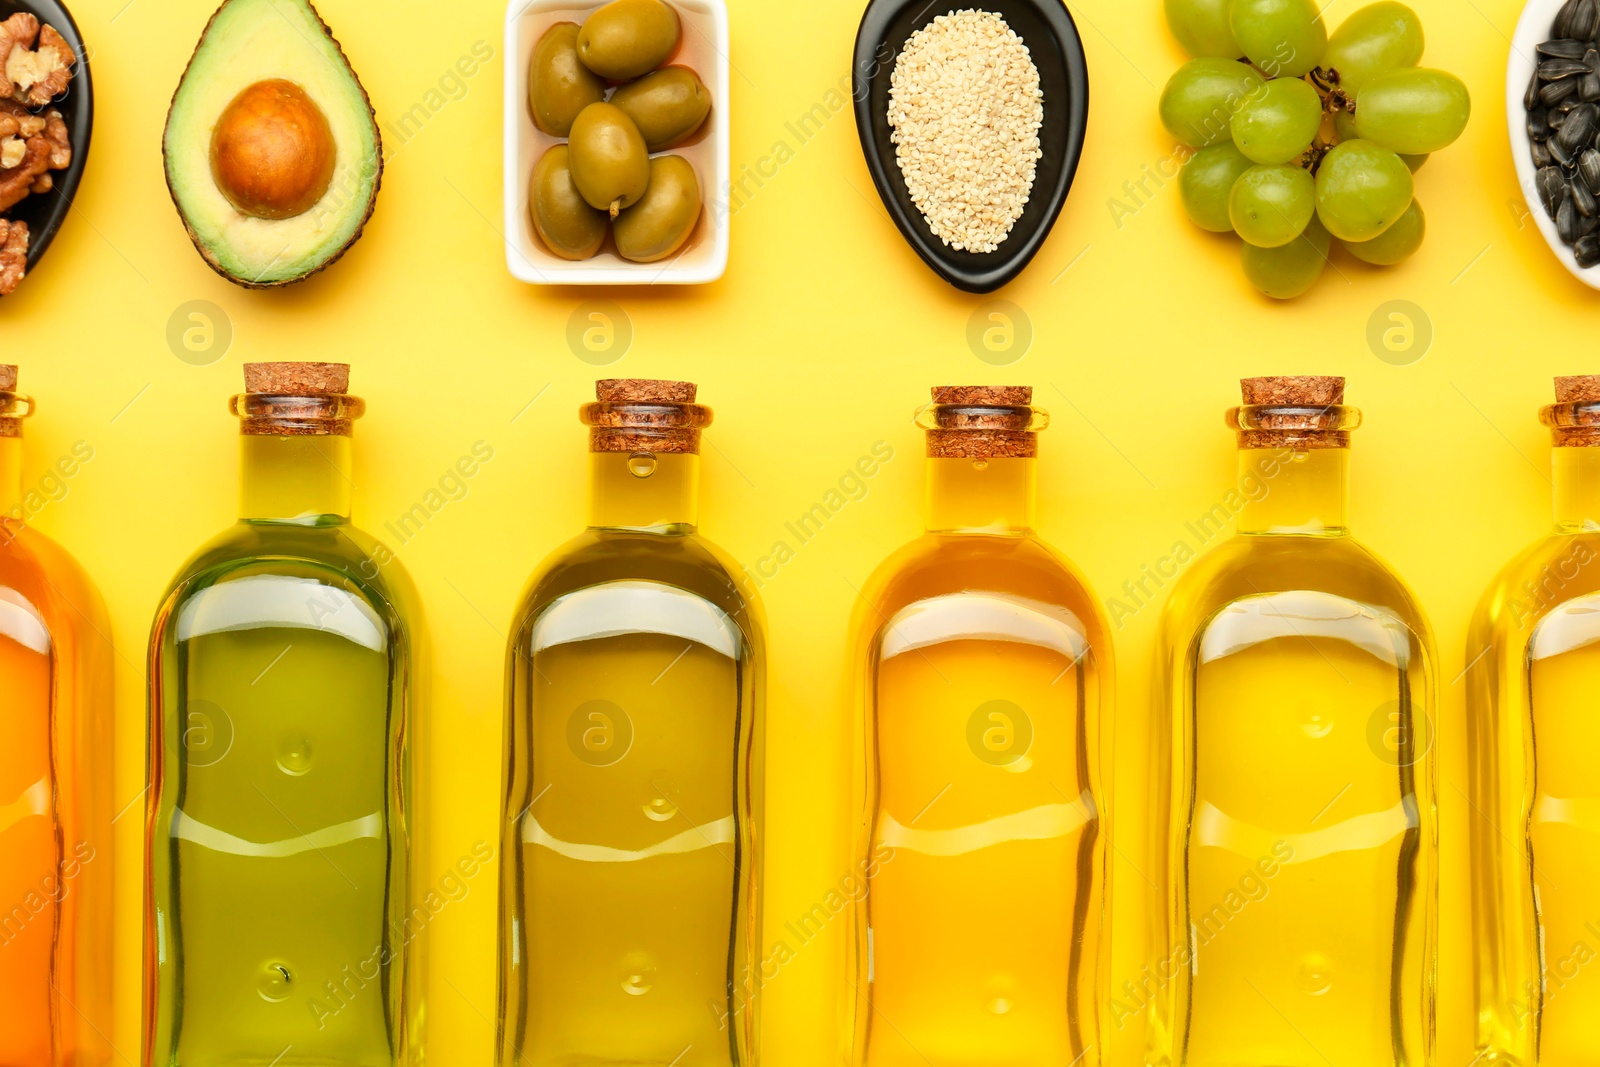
(630, 893)
(979, 934)
(284, 668)
(55, 783)
(1533, 654)
(1295, 842)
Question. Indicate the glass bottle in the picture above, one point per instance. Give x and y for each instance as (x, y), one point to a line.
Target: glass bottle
(55, 783)
(282, 713)
(1533, 667)
(980, 877)
(630, 893)
(1293, 774)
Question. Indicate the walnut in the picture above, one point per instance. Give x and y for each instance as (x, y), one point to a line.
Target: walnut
(55, 131)
(35, 76)
(30, 147)
(13, 254)
(16, 182)
(12, 149)
(42, 184)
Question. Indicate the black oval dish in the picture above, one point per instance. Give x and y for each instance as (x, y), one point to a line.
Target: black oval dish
(1052, 38)
(45, 212)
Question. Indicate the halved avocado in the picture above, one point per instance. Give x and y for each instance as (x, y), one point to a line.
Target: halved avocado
(272, 150)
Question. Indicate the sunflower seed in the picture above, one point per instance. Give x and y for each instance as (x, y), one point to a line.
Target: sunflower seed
(1563, 23)
(1583, 200)
(1567, 219)
(1541, 155)
(1585, 16)
(1551, 185)
(1564, 48)
(1554, 70)
(1589, 87)
(1589, 225)
(1560, 152)
(1587, 250)
(1580, 127)
(1589, 168)
(1555, 92)
(1538, 124)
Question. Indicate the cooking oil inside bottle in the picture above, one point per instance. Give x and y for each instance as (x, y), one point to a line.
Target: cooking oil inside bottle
(630, 849)
(1302, 834)
(30, 855)
(1563, 827)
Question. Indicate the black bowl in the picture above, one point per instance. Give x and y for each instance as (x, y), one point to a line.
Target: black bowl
(45, 212)
(1052, 38)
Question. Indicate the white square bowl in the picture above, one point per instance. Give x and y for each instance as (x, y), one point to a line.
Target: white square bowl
(705, 51)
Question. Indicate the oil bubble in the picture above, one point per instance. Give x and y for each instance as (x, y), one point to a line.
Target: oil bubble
(273, 982)
(1316, 974)
(638, 973)
(660, 809)
(641, 464)
(1316, 724)
(294, 754)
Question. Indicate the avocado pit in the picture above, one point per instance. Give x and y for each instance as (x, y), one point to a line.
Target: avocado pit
(272, 151)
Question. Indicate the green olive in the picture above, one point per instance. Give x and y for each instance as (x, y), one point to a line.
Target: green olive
(610, 163)
(658, 225)
(667, 106)
(564, 221)
(559, 85)
(627, 38)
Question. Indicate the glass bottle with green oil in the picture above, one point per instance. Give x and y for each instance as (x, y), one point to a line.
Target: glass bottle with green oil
(981, 829)
(55, 778)
(283, 707)
(1533, 655)
(630, 894)
(1295, 844)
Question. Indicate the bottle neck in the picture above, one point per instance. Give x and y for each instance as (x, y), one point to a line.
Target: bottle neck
(1577, 488)
(11, 478)
(644, 491)
(1301, 491)
(981, 496)
(302, 479)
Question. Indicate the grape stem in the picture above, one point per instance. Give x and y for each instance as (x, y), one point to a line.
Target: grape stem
(1326, 82)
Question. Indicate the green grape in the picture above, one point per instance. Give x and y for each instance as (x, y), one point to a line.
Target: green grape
(1285, 38)
(1290, 270)
(1206, 181)
(1378, 38)
(1270, 206)
(1344, 125)
(1201, 26)
(1361, 190)
(1198, 104)
(1277, 124)
(1413, 110)
(1395, 244)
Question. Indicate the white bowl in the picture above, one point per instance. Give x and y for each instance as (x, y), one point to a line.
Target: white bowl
(705, 51)
(1533, 29)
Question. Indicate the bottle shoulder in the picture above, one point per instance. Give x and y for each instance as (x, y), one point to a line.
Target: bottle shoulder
(1552, 571)
(1022, 568)
(1254, 566)
(686, 562)
(363, 565)
(49, 578)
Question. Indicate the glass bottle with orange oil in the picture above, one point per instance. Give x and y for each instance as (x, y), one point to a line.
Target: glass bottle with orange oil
(980, 822)
(55, 785)
(1293, 775)
(285, 665)
(1533, 653)
(631, 861)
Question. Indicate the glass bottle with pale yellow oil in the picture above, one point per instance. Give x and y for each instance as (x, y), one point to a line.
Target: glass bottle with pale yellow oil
(981, 829)
(55, 781)
(284, 686)
(1295, 844)
(630, 894)
(1533, 653)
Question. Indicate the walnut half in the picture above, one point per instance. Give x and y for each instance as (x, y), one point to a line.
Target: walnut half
(13, 254)
(45, 147)
(34, 76)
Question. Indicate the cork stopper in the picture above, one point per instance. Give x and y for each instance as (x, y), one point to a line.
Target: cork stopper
(1302, 412)
(644, 391)
(10, 423)
(1574, 419)
(982, 422)
(297, 379)
(297, 400)
(644, 415)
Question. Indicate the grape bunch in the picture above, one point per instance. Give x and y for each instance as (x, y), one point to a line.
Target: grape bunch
(1301, 138)
(1563, 105)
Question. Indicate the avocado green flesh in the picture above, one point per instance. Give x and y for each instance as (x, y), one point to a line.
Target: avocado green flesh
(250, 41)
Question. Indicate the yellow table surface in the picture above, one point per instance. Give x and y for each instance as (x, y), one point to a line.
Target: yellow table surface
(821, 341)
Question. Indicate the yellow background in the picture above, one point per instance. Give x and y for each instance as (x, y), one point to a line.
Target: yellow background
(821, 341)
